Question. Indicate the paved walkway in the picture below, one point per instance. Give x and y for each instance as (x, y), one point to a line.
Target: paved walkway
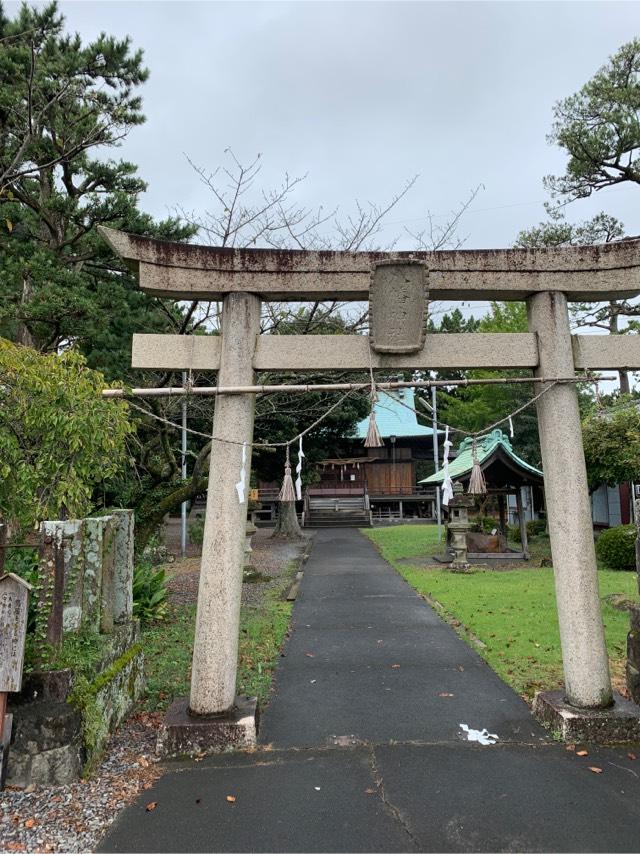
(361, 748)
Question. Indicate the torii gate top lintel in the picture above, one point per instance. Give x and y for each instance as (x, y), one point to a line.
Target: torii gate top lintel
(191, 271)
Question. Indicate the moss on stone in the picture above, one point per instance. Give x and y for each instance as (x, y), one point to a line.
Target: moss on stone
(84, 697)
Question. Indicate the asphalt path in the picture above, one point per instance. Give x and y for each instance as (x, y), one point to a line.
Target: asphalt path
(365, 744)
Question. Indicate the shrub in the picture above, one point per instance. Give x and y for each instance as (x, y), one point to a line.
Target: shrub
(155, 552)
(616, 547)
(59, 437)
(484, 524)
(534, 528)
(489, 524)
(196, 530)
(24, 562)
(149, 593)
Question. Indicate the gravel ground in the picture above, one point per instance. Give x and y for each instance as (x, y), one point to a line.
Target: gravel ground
(270, 557)
(73, 818)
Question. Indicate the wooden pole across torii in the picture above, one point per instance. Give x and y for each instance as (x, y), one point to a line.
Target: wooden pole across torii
(396, 284)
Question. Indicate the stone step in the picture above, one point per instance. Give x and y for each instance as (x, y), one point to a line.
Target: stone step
(345, 523)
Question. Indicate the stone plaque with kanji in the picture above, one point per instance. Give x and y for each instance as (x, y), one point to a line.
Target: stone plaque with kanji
(398, 306)
(14, 604)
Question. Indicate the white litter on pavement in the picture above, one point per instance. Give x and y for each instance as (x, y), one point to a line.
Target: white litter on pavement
(480, 735)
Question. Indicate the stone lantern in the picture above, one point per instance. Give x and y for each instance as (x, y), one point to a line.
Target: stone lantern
(458, 527)
(250, 530)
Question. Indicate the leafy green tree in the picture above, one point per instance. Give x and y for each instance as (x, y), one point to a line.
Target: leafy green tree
(599, 128)
(602, 228)
(557, 231)
(476, 407)
(58, 97)
(59, 438)
(612, 443)
(59, 284)
(61, 287)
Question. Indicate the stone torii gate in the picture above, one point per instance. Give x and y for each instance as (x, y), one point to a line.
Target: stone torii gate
(397, 284)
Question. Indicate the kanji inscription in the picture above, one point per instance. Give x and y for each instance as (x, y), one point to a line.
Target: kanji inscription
(14, 601)
(398, 306)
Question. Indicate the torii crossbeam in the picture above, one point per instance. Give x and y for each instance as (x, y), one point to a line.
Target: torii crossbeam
(397, 284)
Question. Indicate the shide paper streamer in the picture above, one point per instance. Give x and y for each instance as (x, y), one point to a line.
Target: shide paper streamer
(241, 485)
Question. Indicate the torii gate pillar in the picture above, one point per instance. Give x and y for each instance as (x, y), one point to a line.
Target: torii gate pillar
(584, 653)
(215, 718)
(215, 651)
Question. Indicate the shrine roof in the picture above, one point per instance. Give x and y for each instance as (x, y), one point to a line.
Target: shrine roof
(393, 418)
(488, 449)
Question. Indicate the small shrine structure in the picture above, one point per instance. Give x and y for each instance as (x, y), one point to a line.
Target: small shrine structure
(505, 474)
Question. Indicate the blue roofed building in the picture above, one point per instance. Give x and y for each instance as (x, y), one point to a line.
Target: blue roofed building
(386, 477)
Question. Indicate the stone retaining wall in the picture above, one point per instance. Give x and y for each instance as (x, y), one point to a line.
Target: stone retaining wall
(62, 720)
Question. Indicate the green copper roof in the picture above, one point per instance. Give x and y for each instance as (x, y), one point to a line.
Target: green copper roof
(394, 419)
(486, 447)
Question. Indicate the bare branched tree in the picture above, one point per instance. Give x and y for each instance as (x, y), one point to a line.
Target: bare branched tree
(435, 237)
(243, 216)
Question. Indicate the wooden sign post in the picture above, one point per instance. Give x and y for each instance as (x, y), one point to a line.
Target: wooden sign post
(14, 605)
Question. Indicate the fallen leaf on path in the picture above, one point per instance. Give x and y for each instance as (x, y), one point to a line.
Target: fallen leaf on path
(369, 791)
(595, 770)
(461, 668)
(571, 747)
(231, 799)
(313, 681)
(310, 654)
(394, 666)
(151, 806)
(445, 694)
(631, 756)
(582, 752)
(317, 788)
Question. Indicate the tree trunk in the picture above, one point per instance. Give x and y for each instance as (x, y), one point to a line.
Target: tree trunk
(287, 524)
(625, 387)
(23, 334)
(614, 329)
(153, 519)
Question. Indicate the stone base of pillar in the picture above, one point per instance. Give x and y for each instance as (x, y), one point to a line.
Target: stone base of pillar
(618, 723)
(183, 734)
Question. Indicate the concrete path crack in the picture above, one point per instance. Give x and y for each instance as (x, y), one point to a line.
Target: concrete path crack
(395, 811)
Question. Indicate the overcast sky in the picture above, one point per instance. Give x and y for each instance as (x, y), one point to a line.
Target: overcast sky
(362, 96)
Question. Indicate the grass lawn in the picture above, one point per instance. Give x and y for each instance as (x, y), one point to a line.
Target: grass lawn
(512, 613)
(168, 646)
